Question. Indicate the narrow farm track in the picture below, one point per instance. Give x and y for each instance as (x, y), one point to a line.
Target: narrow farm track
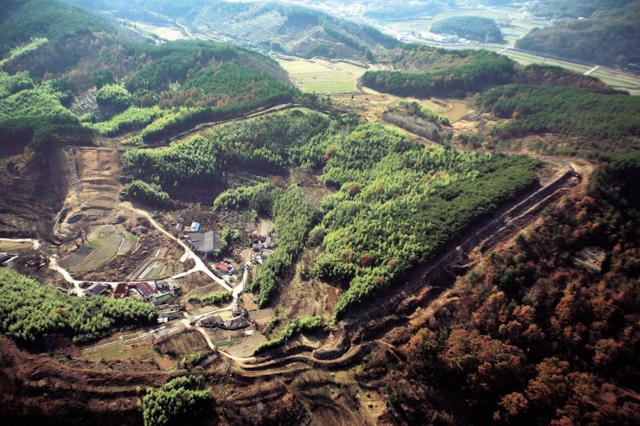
(265, 110)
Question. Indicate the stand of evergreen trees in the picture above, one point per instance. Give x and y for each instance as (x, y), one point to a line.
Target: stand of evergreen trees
(29, 311)
(483, 70)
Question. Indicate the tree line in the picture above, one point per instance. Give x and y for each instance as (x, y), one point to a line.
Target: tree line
(481, 70)
(29, 311)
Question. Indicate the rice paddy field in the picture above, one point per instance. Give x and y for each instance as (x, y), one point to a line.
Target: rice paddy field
(515, 24)
(322, 76)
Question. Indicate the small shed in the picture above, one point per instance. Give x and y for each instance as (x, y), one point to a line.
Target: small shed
(122, 290)
(226, 268)
(162, 298)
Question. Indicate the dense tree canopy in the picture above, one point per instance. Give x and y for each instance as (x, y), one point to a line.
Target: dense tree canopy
(262, 145)
(22, 20)
(537, 337)
(32, 112)
(547, 108)
(485, 69)
(397, 202)
(148, 193)
(293, 218)
(470, 27)
(180, 401)
(605, 34)
(400, 202)
(29, 311)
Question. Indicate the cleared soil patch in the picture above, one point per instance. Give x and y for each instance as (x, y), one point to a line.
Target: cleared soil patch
(197, 284)
(183, 345)
(264, 228)
(261, 316)
(247, 346)
(28, 200)
(98, 171)
(165, 33)
(126, 348)
(306, 297)
(321, 76)
(92, 188)
(373, 104)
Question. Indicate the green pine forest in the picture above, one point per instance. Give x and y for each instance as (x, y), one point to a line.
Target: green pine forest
(30, 311)
(395, 202)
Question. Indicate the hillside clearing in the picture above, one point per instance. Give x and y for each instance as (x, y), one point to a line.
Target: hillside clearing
(322, 76)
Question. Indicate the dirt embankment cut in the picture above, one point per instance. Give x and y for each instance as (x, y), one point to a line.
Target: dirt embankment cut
(28, 201)
(90, 180)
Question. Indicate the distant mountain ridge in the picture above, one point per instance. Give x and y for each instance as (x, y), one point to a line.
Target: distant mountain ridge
(286, 29)
(605, 33)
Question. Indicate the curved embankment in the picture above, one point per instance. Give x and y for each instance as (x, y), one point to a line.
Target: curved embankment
(377, 319)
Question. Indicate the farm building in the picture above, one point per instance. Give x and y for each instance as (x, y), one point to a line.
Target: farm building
(7, 259)
(162, 298)
(145, 290)
(122, 290)
(592, 258)
(97, 290)
(168, 285)
(204, 243)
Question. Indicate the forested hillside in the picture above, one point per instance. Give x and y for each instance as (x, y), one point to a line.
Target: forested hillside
(533, 336)
(283, 28)
(608, 36)
(605, 121)
(30, 311)
(263, 145)
(34, 112)
(479, 70)
(396, 204)
(470, 28)
(189, 238)
(423, 71)
(23, 20)
(161, 88)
